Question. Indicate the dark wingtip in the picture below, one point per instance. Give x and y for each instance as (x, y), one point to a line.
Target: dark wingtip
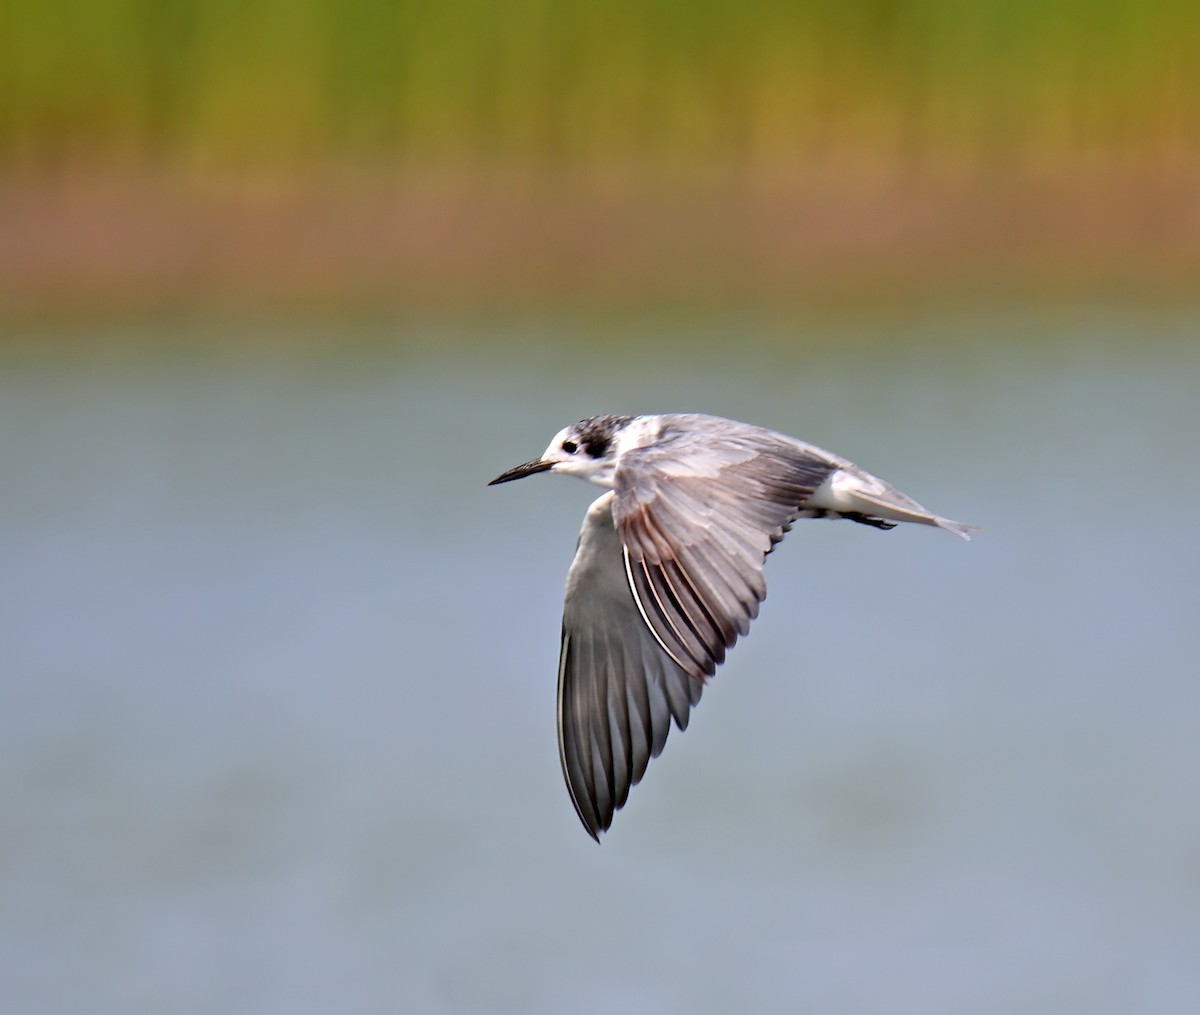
(594, 830)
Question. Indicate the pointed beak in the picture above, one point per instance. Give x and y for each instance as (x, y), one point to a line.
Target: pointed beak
(521, 471)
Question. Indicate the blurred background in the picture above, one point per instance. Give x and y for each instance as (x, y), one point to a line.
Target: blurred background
(282, 285)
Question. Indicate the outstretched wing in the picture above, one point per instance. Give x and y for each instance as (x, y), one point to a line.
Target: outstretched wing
(697, 510)
(617, 689)
(667, 575)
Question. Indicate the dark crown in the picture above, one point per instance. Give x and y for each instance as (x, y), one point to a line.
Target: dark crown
(596, 434)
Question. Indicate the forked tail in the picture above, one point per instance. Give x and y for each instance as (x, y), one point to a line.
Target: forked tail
(847, 492)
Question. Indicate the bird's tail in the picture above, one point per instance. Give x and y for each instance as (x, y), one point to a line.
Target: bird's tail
(960, 529)
(868, 495)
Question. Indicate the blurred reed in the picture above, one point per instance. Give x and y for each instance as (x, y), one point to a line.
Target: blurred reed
(287, 83)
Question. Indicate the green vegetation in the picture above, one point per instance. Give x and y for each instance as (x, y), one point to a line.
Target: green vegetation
(215, 83)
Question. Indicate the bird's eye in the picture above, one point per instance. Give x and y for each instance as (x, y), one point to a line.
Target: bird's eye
(570, 447)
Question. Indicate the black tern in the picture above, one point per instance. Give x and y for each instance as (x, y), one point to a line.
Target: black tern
(668, 573)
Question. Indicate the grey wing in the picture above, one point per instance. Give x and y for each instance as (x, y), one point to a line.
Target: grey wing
(617, 689)
(697, 511)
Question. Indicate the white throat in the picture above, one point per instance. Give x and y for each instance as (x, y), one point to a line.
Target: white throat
(601, 471)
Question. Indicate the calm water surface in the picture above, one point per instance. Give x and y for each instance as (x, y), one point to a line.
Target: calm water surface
(277, 702)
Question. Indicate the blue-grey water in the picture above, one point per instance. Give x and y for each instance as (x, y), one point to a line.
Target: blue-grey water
(277, 698)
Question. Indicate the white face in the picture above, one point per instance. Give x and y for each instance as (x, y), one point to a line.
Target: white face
(570, 457)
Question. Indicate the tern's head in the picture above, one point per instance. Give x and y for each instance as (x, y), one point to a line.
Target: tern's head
(587, 449)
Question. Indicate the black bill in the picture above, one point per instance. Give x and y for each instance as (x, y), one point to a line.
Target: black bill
(521, 471)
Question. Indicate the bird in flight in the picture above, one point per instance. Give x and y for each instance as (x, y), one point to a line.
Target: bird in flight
(668, 573)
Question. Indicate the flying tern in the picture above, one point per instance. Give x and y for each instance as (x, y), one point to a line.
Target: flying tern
(668, 573)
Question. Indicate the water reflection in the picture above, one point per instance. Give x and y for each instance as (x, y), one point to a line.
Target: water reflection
(276, 719)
